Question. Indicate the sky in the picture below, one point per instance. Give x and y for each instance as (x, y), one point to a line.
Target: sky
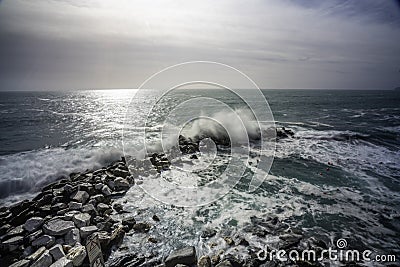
(88, 44)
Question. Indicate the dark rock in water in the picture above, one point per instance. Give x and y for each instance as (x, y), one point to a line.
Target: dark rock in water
(155, 218)
(129, 221)
(128, 260)
(207, 233)
(204, 261)
(284, 133)
(141, 227)
(225, 263)
(58, 227)
(118, 207)
(289, 240)
(182, 256)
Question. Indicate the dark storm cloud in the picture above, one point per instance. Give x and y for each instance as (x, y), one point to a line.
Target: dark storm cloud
(281, 44)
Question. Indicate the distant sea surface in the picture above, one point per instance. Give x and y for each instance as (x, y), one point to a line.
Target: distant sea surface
(339, 176)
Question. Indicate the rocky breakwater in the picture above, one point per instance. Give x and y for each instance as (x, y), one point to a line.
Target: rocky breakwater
(52, 229)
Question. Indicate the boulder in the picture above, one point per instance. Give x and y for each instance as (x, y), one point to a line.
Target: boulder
(204, 261)
(77, 255)
(106, 190)
(72, 237)
(225, 263)
(62, 262)
(141, 227)
(75, 205)
(118, 207)
(57, 252)
(33, 224)
(21, 263)
(129, 221)
(44, 240)
(87, 231)
(13, 243)
(45, 260)
(36, 254)
(81, 219)
(80, 196)
(58, 227)
(120, 173)
(185, 256)
(121, 184)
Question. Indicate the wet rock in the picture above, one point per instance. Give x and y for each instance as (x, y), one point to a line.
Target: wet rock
(129, 221)
(128, 260)
(204, 261)
(225, 263)
(81, 219)
(289, 240)
(104, 239)
(284, 133)
(207, 233)
(45, 260)
(120, 173)
(62, 262)
(243, 242)
(59, 206)
(89, 208)
(44, 240)
(21, 263)
(75, 205)
(58, 227)
(121, 184)
(182, 256)
(70, 214)
(12, 243)
(33, 257)
(229, 241)
(118, 207)
(141, 227)
(19, 230)
(155, 218)
(117, 235)
(77, 255)
(87, 231)
(72, 237)
(103, 208)
(106, 190)
(33, 224)
(57, 252)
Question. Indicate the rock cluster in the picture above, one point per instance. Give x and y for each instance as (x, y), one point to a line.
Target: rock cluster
(52, 228)
(284, 133)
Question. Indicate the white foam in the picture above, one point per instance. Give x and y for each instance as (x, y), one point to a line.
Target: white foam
(28, 171)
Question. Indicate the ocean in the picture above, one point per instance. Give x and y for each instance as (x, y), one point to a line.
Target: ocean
(336, 177)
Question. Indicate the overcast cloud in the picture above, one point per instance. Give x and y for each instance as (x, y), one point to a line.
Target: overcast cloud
(74, 44)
